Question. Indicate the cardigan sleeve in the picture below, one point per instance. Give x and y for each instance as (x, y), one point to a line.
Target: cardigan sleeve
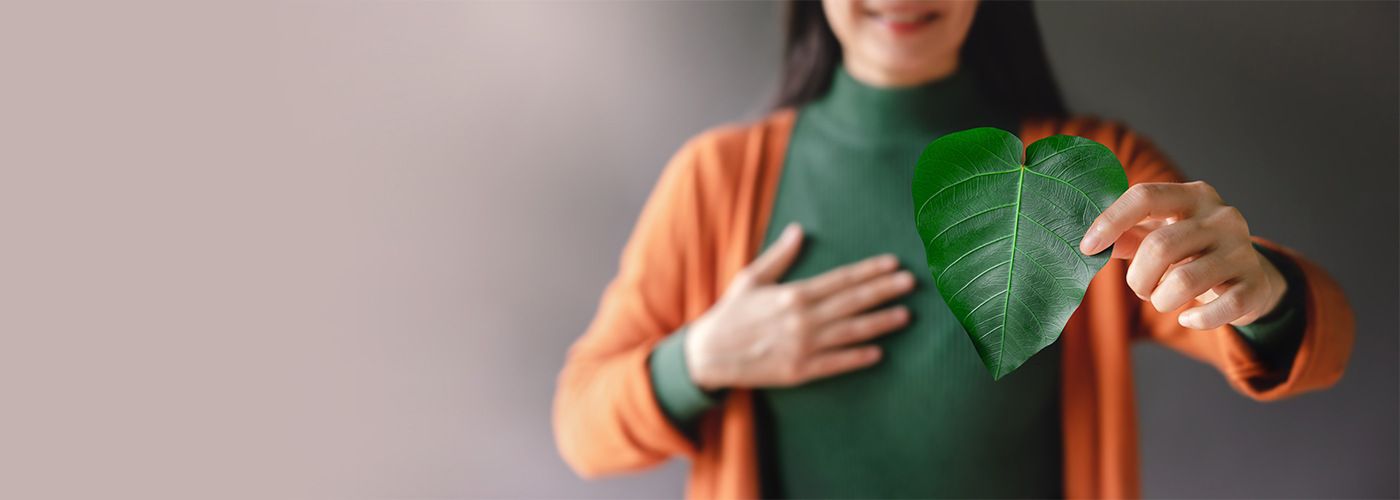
(606, 417)
(1327, 327)
(676, 392)
(1275, 337)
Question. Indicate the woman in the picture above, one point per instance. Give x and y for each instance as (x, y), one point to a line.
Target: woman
(841, 372)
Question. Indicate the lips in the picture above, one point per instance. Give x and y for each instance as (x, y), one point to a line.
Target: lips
(902, 21)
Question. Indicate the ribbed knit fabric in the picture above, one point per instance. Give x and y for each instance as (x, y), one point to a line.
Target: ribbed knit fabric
(928, 421)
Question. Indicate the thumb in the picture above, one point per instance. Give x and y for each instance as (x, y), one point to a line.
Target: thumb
(773, 262)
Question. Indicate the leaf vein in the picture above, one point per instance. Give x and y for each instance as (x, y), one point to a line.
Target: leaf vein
(1058, 153)
(1072, 186)
(920, 212)
(974, 280)
(1071, 247)
(965, 219)
(969, 252)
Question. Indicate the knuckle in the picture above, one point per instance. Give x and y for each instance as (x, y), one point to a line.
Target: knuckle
(879, 321)
(889, 285)
(1227, 214)
(1136, 275)
(1138, 286)
(883, 321)
(1160, 303)
(1151, 190)
(841, 334)
(1184, 277)
(867, 293)
(855, 328)
(1137, 193)
(1231, 302)
(1204, 188)
(847, 275)
(791, 372)
(1241, 256)
(1155, 246)
(1111, 214)
(1234, 217)
(791, 298)
(1109, 217)
(795, 323)
(803, 344)
(1261, 301)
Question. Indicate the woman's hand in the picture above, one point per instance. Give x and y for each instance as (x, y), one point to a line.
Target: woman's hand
(763, 334)
(1185, 243)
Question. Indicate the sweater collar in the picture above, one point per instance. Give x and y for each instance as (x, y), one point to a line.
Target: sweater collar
(859, 109)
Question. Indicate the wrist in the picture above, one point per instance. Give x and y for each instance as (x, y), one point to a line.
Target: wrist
(1278, 285)
(697, 362)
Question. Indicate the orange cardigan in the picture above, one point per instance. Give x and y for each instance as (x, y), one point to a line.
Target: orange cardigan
(706, 220)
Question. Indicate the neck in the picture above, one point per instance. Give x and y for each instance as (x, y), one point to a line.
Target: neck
(883, 76)
(853, 108)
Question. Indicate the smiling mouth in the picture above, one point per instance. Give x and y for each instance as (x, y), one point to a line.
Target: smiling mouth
(902, 22)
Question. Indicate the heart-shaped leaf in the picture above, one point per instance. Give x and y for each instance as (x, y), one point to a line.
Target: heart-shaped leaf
(1002, 236)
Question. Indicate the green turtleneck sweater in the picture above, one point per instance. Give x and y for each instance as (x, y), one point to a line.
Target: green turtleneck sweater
(928, 421)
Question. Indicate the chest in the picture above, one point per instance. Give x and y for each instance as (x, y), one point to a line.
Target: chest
(928, 420)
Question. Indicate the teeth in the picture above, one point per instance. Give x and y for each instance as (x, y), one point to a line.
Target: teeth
(904, 17)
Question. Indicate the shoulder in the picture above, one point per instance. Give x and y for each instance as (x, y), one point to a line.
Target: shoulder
(1142, 160)
(727, 160)
(721, 178)
(729, 146)
(1111, 133)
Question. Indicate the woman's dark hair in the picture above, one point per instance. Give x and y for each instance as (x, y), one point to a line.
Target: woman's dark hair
(1003, 50)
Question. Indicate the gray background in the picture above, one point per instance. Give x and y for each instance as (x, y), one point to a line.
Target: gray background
(338, 249)
(1288, 108)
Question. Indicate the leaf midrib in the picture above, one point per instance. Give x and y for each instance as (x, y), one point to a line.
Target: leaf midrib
(1010, 270)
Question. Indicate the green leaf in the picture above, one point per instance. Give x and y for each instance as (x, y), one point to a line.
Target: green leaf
(1002, 237)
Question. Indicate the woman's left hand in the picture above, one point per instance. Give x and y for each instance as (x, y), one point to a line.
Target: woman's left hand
(1185, 243)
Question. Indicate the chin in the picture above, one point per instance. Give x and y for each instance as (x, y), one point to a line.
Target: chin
(908, 61)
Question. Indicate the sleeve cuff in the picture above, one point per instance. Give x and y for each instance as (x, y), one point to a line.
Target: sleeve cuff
(1276, 336)
(676, 393)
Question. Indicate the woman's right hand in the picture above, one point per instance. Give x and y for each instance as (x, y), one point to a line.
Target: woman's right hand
(765, 334)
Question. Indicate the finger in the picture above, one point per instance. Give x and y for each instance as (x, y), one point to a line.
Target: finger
(1127, 244)
(1162, 248)
(1185, 282)
(847, 276)
(773, 262)
(839, 361)
(863, 296)
(1156, 200)
(1240, 300)
(862, 328)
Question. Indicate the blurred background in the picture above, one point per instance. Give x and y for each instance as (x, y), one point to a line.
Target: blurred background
(339, 249)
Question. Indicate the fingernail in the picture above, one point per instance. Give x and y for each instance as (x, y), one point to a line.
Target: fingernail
(1186, 318)
(1089, 245)
(904, 279)
(791, 230)
(888, 261)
